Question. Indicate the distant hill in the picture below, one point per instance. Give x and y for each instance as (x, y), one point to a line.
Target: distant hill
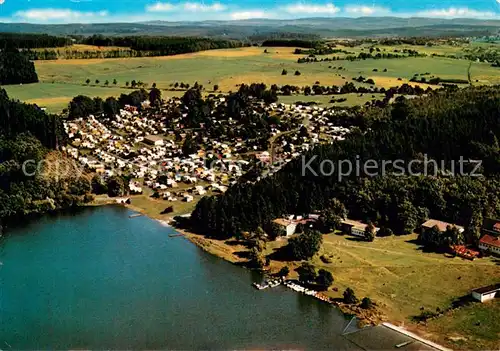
(325, 27)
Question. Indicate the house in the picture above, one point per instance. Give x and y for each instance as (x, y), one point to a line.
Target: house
(486, 293)
(431, 223)
(135, 189)
(264, 157)
(491, 226)
(288, 225)
(354, 228)
(188, 198)
(490, 244)
(154, 140)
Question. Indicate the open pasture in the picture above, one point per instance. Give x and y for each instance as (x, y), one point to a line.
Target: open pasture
(395, 272)
(60, 80)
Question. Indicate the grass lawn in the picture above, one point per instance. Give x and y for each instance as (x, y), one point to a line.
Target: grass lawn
(401, 278)
(398, 275)
(475, 326)
(153, 207)
(61, 80)
(324, 100)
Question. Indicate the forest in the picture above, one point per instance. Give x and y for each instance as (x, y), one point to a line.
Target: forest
(16, 68)
(28, 134)
(445, 126)
(137, 46)
(165, 45)
(294, 43)
(32, 41)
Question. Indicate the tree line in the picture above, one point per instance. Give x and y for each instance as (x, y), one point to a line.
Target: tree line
(32, 41)
(136, 47)
(255, 38)
(82, 106)
(311, 44)
(360, 56)
(16, 68)
(166, 45)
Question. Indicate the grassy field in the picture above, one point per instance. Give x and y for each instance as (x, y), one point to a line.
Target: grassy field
(63, 79)
(324, 100)
(55, 96)
(476, 324)
(397, 274)
(402, 279)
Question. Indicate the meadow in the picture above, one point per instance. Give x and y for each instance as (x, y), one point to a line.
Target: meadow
(61, 80)
(395, 273)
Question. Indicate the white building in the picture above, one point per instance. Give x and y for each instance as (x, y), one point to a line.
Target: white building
(154, 140)
(288, 225)
(490, 244)
(355, 228)
(487, 293)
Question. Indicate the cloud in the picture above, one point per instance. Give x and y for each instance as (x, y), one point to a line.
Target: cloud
(242, 15)
(59, 15)
(307, 9)
(160, 7)
(201, 7)
(187, 6)
(456, 12)
(366, 10)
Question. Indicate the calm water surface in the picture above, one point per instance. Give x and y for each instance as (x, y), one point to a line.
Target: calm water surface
(100, 280)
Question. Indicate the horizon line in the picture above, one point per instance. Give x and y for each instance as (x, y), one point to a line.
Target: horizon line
(263, 19)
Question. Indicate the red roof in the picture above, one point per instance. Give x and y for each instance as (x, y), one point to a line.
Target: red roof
(490, 240)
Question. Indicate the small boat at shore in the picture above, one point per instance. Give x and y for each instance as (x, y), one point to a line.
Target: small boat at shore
(260, 287)
(267, 284)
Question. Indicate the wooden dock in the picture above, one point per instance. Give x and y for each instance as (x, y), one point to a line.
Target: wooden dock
(135, 215)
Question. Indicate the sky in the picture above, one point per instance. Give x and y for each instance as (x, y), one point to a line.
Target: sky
(93, 11)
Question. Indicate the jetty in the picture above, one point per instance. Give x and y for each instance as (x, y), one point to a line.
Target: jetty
(293, 286)
(387, 336)
(135, 215)
(268, 284)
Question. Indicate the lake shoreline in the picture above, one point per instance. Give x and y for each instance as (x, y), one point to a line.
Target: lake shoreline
(106, 269)
(222, 250)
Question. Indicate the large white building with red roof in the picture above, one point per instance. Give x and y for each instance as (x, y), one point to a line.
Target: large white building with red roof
(490, 244)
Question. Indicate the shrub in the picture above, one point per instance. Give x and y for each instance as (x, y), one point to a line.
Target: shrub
(366, 303)
(350, 297)
(384, 231)
(324, 279)
(284, 272)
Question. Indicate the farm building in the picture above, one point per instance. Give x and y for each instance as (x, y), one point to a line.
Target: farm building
(431, 223)
(354, 228)
(486, 293)
(490, 244)
(491, 226)
(154, 140)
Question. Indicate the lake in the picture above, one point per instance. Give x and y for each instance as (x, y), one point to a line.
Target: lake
(101, 280)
